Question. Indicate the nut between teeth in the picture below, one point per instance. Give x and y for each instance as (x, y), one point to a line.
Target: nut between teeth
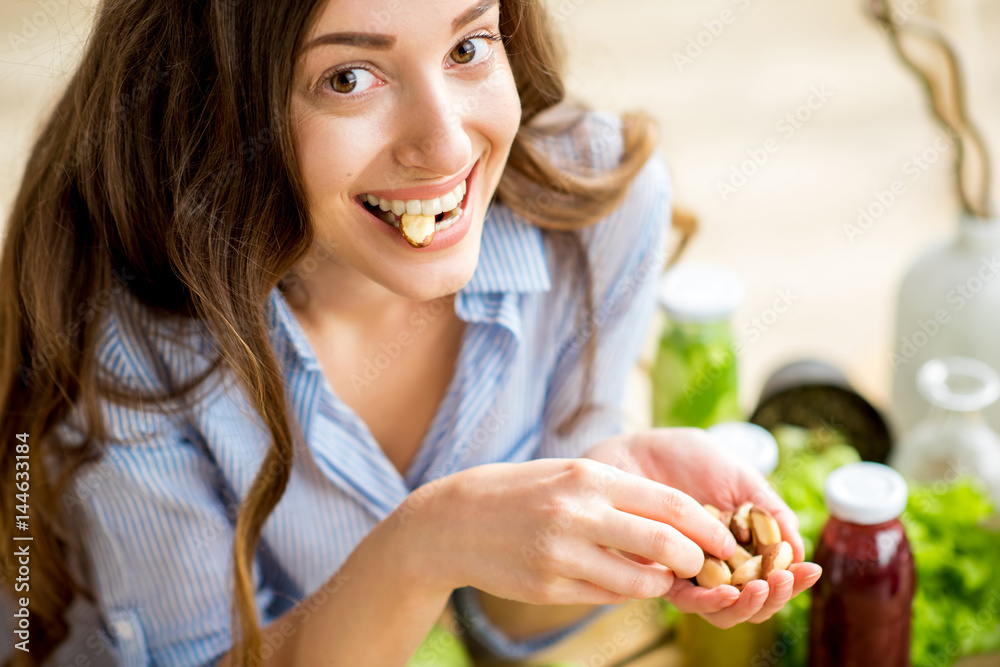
(418, 230)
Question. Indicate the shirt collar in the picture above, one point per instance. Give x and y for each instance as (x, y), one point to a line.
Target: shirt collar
(511, 256)
(288, 338)
(512, 260)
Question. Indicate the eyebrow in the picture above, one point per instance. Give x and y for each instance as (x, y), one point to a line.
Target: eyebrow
(380, 42)
(473, 14)
(361, 40)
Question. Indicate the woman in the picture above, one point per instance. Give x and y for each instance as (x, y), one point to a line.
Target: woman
(317, 313)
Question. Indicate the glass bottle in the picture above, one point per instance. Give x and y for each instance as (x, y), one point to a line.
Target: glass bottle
(695, 381)
(862, 605)
(953, 440)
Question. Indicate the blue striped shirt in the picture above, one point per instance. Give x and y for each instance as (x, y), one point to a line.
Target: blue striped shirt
(156, 519)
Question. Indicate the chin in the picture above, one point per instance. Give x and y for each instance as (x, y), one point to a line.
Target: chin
(433, 279)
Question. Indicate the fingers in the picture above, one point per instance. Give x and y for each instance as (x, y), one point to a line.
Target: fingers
(622, 576)
(724, 607)
(750, 601)
(691, 599)
(806, 574)
(779, 593)
(652, 540)
(784, 585)
(641, 560)
(578, 591)
(652, 500)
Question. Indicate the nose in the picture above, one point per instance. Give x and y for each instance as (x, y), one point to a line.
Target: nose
(432, 136)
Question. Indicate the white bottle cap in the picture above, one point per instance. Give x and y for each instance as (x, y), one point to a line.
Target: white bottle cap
(865, 493)
(700, 292)
(754, 444)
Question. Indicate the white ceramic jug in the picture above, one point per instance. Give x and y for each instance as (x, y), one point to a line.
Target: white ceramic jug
(949, 305)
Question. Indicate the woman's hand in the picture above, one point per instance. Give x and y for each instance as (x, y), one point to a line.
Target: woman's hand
(689, 461)
(537, 532)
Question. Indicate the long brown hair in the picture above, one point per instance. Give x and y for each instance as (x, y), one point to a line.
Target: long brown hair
(167, 168)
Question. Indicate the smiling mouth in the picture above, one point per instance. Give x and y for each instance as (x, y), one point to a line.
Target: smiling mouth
(418, 219)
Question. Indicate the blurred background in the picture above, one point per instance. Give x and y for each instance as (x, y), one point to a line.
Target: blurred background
(817, 83)
(785, 230)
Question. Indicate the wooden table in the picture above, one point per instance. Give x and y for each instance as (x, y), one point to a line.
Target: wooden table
(631, 636)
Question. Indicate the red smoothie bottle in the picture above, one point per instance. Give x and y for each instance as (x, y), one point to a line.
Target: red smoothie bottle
(861, 605)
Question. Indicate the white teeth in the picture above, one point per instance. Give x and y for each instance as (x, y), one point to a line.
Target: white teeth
(450, 218)
(430, 206)
(435, 206)
(449, 221)
(449, 201)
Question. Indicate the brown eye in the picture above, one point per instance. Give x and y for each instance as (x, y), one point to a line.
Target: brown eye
(351, 81)
(344, 82)
(464, 52)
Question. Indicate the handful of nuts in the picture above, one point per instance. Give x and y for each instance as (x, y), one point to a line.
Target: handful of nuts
(755, 531)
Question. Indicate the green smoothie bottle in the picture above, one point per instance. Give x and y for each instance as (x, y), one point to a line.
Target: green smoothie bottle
(695, 381)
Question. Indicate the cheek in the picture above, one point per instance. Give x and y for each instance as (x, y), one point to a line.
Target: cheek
(506, 106)
(493, 107)
(331, 152)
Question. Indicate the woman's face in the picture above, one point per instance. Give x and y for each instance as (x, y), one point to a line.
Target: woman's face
(408, 105)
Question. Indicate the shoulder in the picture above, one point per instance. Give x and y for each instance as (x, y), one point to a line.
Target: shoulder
(634, 234)
(580, 139)
(142, 347)
(638, 226)
(136, 352)
(636, 230)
